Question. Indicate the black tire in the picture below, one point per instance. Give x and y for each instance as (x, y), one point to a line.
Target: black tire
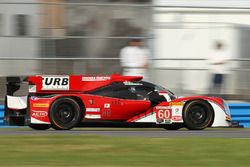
(65, 114)
(175, 126)
(39, 126)
(198, 115)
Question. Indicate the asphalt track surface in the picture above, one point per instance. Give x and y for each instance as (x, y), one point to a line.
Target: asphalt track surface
(130, 132)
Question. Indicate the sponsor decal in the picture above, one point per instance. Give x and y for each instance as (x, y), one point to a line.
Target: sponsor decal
(92, 109)
(164, 113)
(40, 104)
(93, 116)
(34, 98)
(168, 121)
(106, 112)
(161, 107)
(177, 118)
(118, 102)
(39, 114)
(55, 83)
(177, 111)
(176, 103)
(32, 88)
(163, 121)
(159, 121)
(131, 83)
(106, 105)
(104, 78)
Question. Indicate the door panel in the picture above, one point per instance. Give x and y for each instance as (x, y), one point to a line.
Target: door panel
(108, 108)
(123, 109)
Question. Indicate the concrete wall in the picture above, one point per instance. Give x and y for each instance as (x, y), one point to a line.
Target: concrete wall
(12, 45)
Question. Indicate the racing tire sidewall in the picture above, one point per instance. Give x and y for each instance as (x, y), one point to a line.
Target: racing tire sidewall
(57, 108)
(207, 115)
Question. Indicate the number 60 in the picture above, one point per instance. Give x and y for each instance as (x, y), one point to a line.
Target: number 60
(163, 114)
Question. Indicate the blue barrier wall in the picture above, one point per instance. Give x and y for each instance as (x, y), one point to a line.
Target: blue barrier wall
(1, 115)
(240, 112)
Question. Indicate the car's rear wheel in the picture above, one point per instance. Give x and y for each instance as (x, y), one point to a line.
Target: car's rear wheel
(39, 126)
(65, 113)
(175, 126)
(198, 115)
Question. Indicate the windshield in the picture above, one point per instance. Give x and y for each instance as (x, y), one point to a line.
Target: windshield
(134, 90)
(160, 89)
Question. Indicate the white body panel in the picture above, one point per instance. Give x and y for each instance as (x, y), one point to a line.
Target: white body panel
(176, 113)
(17, 103)
(36, 121)
(219, 116)
(148, 118)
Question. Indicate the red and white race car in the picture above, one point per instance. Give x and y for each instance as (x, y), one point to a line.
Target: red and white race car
(67, 101)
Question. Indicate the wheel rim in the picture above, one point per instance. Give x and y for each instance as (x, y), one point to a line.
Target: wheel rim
(198, 115)
(64, 113)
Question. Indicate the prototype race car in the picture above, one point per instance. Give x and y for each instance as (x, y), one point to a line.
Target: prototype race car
(64, 102)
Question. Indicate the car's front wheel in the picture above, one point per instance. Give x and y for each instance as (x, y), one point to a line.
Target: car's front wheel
(65, 113)
(198, 115)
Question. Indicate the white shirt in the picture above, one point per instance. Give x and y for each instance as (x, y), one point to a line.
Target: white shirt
(219, 63)
(134, 57)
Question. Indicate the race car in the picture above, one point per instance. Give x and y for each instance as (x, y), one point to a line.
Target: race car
(67, 101)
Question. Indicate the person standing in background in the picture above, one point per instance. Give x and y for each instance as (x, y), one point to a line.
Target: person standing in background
(134, 59)
(219, 68)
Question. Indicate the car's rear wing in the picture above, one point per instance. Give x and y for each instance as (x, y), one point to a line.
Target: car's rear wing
(16, 112)
(12, 85)
(49, 84)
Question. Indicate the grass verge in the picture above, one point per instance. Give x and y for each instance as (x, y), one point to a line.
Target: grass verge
(85, 150)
